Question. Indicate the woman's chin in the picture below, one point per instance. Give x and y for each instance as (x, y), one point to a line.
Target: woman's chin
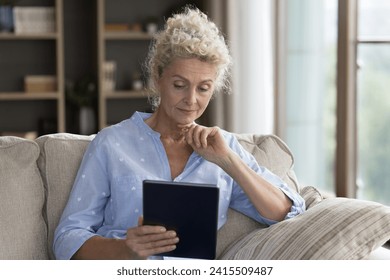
(186, 122)
(186, 118)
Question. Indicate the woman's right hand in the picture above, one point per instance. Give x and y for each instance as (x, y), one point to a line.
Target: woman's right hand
(144, 240)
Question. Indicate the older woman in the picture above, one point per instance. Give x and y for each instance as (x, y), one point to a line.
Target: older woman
(188, 63)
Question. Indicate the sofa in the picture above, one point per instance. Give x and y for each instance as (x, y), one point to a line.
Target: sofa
(36, 177)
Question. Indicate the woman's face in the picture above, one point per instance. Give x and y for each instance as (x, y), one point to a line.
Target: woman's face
(186, 87)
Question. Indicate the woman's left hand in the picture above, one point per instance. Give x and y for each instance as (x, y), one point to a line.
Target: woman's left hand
(208, 142)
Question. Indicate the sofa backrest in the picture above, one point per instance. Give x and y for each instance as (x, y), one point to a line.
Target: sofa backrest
(270, 151)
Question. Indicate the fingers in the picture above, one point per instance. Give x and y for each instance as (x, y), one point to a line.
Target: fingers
(197, 135)
(145, 241)
(140, 220)
(192, 136)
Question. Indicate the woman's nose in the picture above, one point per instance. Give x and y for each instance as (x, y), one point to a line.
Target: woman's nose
(191, 96)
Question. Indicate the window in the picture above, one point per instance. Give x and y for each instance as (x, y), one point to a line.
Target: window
(373, 100)
(308, 50)
(334, 107)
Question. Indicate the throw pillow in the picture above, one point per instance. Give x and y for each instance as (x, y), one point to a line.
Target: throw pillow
(60, 157)
(22, 225)
(334, 229)
(311, 195)
(270, 151)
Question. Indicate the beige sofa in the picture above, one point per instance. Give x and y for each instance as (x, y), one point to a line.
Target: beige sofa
(36, 178)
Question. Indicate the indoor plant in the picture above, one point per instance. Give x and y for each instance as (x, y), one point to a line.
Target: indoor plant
(83, 94)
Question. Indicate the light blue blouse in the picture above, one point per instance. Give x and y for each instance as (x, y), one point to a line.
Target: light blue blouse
(106, 198)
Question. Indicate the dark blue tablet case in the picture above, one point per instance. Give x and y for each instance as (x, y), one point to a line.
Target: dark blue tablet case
(189, 209)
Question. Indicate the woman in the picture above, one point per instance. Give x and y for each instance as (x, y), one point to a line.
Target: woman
(188, 63)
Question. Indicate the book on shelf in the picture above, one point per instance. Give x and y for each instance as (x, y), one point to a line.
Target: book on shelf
(30, 20)
(115, 27)
(109, 72)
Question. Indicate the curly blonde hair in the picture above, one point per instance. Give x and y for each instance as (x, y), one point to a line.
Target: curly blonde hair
(188, 35)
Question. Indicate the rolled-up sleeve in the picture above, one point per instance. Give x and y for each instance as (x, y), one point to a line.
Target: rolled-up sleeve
(241, 202)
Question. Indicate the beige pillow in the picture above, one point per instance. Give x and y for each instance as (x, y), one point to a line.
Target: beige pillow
(311, 195)
(237, 226)
(23, 229)
(271, 152)
(334, 229)
(60, 158)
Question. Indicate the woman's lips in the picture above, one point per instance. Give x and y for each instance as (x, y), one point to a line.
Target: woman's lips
(187, 111)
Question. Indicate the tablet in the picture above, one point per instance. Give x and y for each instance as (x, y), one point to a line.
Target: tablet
(189, 209)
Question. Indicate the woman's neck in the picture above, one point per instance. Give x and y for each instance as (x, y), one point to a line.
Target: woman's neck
(161, 124)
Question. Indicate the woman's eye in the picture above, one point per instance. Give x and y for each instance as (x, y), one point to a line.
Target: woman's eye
(204, 89)
(179, 86)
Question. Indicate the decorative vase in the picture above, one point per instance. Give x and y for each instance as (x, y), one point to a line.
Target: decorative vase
(87, 120)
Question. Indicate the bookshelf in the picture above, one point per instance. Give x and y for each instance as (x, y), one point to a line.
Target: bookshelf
(112, 45)
(87, 43)
(25, 54)
(123, 37)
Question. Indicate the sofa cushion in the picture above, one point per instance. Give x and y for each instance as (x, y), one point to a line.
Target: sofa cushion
(236, 227)
(239, 225)
(60, 158)
(311, 195)
(23, 229)
(333, 229)
(270, 151)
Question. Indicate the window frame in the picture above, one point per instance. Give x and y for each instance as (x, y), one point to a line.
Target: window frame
(348, 41)
(346, 128)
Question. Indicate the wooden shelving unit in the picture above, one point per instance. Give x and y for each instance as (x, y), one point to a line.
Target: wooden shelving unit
(123, 91)
(20, 96)
(130, 35)
(28, 40)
